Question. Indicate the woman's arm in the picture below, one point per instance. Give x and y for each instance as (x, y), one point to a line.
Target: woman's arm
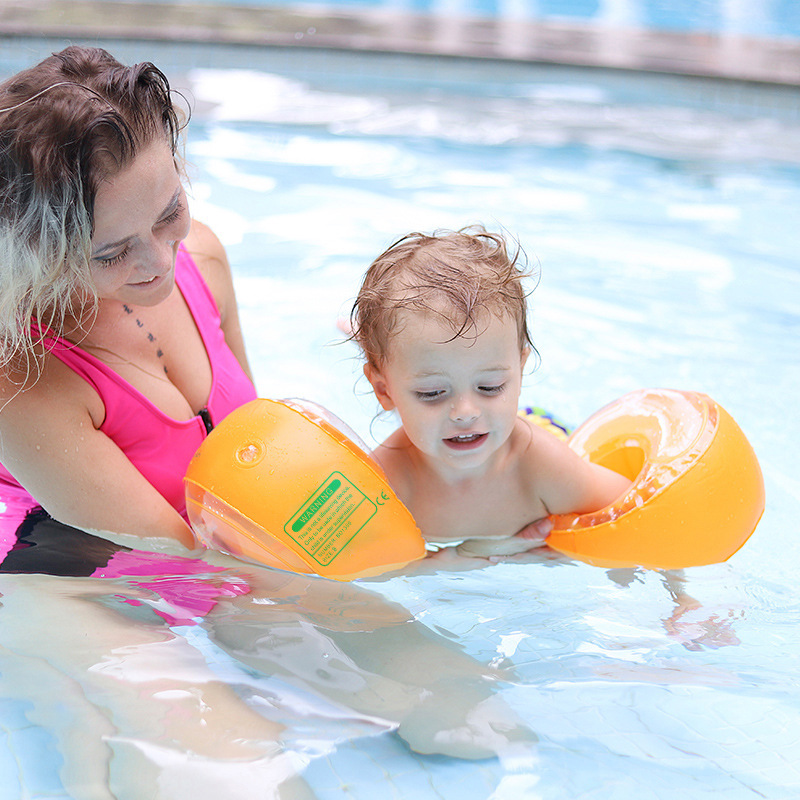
(212, 261)
(50, 442)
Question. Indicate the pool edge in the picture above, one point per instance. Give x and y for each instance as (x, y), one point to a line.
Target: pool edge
(760, 60)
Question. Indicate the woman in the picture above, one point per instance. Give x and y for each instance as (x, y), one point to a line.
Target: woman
(120, 343)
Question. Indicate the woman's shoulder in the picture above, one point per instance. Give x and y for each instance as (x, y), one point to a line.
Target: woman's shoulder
(209, 255)
(206, 249)
(201, 238)
(44, 389)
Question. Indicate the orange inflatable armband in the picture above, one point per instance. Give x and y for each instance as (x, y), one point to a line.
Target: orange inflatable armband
(279, 484)
(697, 492)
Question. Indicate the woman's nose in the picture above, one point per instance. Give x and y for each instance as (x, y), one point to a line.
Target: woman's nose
(161, 257)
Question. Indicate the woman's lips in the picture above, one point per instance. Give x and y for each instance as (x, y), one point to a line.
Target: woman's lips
(466, 441)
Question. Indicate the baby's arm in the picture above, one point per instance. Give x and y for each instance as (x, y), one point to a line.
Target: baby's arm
(565, 482)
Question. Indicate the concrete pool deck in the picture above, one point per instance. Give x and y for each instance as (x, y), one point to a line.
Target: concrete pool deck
(775, 60)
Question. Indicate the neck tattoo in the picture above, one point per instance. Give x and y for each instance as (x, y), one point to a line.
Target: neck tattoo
(150, 337)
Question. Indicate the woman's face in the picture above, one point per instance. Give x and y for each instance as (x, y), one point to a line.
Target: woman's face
(140, 217)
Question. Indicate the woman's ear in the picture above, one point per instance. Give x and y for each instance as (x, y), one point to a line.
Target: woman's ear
(378, 383)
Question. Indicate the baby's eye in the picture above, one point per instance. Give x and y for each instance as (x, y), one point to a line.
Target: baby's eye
(492, 389)
(433, 394)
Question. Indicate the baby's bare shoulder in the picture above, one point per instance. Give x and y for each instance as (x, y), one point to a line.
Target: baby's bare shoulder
(531, 448)
(394, 457)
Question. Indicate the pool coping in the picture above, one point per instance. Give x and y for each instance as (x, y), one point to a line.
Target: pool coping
(743, 58)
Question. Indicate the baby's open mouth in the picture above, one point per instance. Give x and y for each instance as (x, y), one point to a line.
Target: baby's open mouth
(465, 441)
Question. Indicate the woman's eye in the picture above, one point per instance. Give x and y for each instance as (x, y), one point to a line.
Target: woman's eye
(113, 260)
(172, 217)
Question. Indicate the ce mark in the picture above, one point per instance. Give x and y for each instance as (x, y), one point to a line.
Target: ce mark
(381, 499)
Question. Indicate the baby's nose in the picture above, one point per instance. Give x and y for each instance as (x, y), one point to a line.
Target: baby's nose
(464, 409)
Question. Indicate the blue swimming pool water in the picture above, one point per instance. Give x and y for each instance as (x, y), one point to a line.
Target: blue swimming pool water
(662, 213)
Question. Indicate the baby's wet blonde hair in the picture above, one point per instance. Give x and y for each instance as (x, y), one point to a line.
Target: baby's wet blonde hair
(456, 276)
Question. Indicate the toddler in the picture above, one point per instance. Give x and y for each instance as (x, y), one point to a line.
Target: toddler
(442, 322)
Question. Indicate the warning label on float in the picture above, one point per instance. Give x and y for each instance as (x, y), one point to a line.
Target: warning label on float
(330, 518)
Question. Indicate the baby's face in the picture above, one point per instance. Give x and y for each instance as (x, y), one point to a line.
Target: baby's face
(457, 398)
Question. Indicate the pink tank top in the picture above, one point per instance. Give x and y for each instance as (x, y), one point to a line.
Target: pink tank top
(158, 446)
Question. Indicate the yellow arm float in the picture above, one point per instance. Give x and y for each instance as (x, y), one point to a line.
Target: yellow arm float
(277, 483)
(697, 493)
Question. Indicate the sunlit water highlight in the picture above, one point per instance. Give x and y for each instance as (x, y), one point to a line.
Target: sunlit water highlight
(663, 216)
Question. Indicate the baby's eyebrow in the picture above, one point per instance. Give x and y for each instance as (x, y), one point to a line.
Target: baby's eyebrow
(498, 368)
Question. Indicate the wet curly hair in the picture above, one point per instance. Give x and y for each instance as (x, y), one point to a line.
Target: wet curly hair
(457, 276)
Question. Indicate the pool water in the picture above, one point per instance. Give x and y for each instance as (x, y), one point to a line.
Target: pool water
(662, 215)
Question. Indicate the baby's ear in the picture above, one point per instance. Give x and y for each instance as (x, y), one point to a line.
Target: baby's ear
(526, 351)
(378, 384)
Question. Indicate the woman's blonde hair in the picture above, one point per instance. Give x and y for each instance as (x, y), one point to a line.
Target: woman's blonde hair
(455, 275)
(66, 124)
